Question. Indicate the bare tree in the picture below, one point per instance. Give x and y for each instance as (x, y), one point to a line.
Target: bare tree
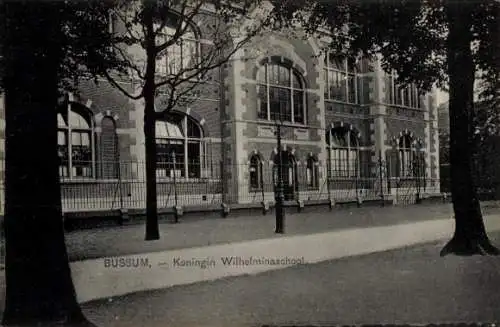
(159, 42)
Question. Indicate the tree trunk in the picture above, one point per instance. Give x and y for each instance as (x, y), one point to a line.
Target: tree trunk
(39, 288)
(152, 228)
(470, 234)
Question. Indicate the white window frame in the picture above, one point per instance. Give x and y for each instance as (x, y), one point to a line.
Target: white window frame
(162, 64)
(68, 130)
(343, 158)
(185, 141)
(414, 97)
(290, 87)
(328, 67)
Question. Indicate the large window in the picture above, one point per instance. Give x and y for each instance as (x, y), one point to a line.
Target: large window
(180, 56)
(281, 94)
(343, 150)
(341, 80)
(179, 147)
(402, 95)
(75, 143)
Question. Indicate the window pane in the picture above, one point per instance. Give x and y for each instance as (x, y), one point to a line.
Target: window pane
(298, 106)
(285, 104)
(78, 121)
(81, 154)
(173, 57)
(296, 83)
(406, 96)
(60, 121)
(273, 71)
(193, 160)
(338, 85)
(62, 153)
(351, 87)
(398, 100)
(262, 101)
(61, 137)
(284, 76)
(161, 65)
(280, 103)
(353, 163)
(389, 87)
(193, 130)
(189, 54)
(166, 129)
(75, 139)
(85, 138)
(174, 156)
(359, 81)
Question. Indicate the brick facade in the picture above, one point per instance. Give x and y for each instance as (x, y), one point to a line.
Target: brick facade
(232, 131)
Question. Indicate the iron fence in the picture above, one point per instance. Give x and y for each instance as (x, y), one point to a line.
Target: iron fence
(107, 186)
(202, 184)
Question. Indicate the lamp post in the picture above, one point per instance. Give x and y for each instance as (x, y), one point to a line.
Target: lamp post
(420, 170)
(279, 196)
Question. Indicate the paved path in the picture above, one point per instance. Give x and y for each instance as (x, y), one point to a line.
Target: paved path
(410, 285)
(103, 277)
(96, 243)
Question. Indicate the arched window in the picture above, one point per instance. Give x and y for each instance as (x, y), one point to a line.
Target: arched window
(343, 150)
(281, 94)
(312, 172)
(179, 147)
(255, 169)
(75, 136)
(184, 54)
(406, 156)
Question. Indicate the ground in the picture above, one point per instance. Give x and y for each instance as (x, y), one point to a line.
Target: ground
(410, 285)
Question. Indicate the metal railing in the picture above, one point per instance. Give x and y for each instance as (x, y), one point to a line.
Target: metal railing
(109, 186)
(195, 184)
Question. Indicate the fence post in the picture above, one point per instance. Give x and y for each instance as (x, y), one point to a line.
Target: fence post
(359, 201)
(177, 209)
(380, 163)
(328, 176)
(123, 212)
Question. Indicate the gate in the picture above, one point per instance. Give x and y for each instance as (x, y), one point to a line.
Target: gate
(412, 184)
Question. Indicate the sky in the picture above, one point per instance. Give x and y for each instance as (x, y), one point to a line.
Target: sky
(442, 97)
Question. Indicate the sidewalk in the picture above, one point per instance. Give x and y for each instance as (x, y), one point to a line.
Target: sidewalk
(104, 242)
(108, 277)
(412, 285)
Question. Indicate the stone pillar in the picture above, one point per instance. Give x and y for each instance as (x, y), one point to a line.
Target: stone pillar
(378, 137)
(433, 136)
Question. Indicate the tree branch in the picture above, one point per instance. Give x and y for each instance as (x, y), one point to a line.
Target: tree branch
(112, 81)
(183, 24)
